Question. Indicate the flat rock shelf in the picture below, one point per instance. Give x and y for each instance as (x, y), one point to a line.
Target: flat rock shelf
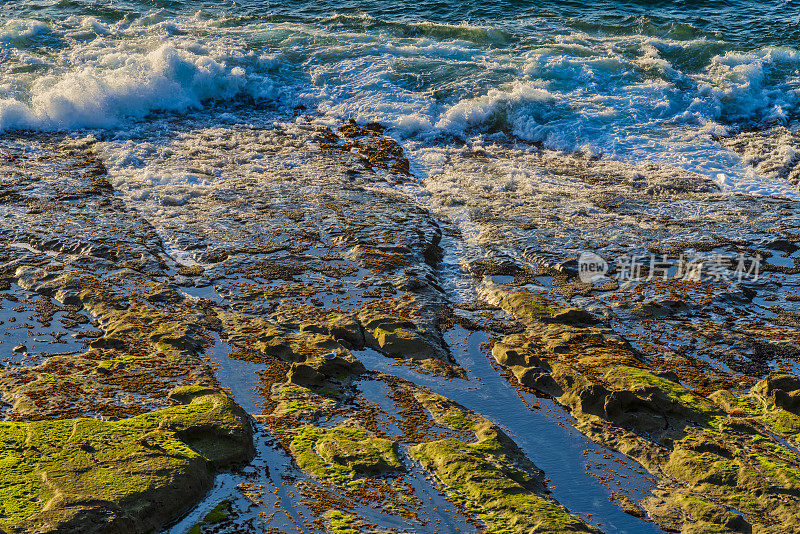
(309, 335)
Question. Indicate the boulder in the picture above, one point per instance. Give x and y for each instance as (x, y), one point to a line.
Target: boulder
(782, 389)
(403, 343)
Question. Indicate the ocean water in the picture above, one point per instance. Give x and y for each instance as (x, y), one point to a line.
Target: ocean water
(635, 80)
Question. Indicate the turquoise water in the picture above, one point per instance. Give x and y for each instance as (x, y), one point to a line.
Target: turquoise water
(744, 23)
(632, 80)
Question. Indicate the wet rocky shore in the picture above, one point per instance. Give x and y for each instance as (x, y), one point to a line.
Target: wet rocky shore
(307, 335)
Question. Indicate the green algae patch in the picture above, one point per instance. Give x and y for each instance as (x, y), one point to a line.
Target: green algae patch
(631, 378)
(727, 472)
(218, 513)
(736, 406)
(505, 497)
(458, 421)
(22, 493)
(449, 413)
(141, 323)
(531, 307)
(782, 421)
(709, 517)
(116, 363)
(490, 476)
(341, 523)
(703, 468)
(342, 454)
(299, 400)
(295, 406)
(137, 473)
(724, 450)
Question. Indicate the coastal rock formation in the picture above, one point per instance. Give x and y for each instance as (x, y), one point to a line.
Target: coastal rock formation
(311, 278)
(491, 474)
(642, 363)
(131, 475)
(298, 300)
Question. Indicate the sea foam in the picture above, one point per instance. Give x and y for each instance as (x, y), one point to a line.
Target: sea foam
(632, 97)
(96, 97)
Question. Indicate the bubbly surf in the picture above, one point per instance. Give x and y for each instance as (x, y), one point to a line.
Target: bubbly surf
(651, 85)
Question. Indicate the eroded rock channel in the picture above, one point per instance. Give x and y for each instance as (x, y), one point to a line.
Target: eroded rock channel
(281, 329)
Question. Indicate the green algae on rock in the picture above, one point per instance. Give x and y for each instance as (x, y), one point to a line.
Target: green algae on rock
(132, 475)
(490, 475)
(731, 468)
(218, 514)
(403, 343)
(341, 523)
(323, 257)
(297, 401)
(342, 454)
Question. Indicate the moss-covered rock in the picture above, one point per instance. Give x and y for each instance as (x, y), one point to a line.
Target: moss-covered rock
(734, 405)
(403, 343)
(341, 523)
(490, 475)
(317, 371)
(217, 514)
(342, 327)
(528, 306)
(343, 454)
(782, 390)
(133, 475)
(297, 401)
(727, 473)
(722, 448)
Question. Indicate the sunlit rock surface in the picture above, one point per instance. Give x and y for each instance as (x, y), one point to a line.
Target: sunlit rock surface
(412, 352)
